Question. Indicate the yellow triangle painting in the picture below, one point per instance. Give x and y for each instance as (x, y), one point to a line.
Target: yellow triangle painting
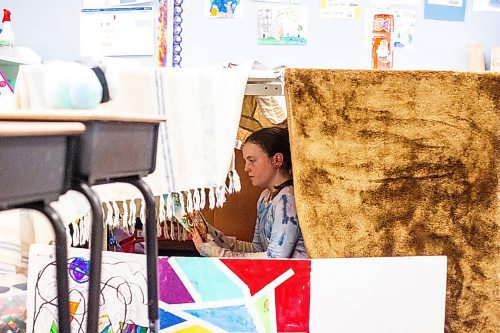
(194, 329)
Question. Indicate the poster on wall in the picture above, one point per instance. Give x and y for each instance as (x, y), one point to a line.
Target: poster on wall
(223, 8)
(112, 3)
(486, 5)
(389, 3)
(403, 35)
(340, 9)
(116, 31)
(281, 1)
(444, 10)
(282, 25)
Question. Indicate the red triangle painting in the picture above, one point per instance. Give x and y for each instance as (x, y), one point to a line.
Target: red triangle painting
(292, 296)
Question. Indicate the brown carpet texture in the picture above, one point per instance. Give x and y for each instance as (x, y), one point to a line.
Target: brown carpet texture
(403, 163)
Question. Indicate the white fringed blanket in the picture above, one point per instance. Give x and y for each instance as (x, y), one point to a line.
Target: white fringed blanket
(203, 109)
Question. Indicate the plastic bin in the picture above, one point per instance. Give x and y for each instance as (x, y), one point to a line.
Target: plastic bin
(33, 169)
(113, 149)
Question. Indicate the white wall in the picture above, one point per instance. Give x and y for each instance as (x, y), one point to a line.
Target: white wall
(52, 30)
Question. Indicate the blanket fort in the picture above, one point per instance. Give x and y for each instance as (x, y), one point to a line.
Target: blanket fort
(403, 163)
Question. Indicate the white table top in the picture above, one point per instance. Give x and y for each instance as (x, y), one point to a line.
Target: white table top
(78, 115)
(26, 128)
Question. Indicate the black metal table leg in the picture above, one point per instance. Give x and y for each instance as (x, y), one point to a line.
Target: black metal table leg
(96, 240)
(61, 264)
(151, 252)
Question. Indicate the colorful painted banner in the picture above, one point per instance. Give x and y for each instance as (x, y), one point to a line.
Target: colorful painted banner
(247, 295)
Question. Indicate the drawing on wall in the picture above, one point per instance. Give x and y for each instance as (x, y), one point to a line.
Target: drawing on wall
(231, 295)
(282, 25)
(340, 9)
(123, 296)
(223, 8)
(388, 3)
(486, 5)
(403, 35)
(281, 1)
(444, 10)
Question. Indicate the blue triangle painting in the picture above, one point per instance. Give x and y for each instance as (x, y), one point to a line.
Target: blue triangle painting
(168, 319)
(230, 318)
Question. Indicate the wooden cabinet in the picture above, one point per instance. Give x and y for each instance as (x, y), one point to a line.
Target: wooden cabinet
(238, 215)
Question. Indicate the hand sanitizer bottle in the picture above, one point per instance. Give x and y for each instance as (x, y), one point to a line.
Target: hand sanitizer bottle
(7, 35)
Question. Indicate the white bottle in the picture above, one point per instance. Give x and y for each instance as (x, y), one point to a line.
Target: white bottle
(7, 35)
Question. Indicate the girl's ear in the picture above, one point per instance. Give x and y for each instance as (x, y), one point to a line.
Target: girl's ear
(277, 160)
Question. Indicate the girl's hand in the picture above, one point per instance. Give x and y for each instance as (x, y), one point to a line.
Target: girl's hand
(198, 242)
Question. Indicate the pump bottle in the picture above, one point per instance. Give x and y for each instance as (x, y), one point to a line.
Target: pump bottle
(7, 34)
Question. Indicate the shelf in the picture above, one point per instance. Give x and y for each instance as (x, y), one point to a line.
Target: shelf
(264, 83)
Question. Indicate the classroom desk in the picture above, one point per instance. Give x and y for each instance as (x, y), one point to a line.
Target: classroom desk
(116, 147)
(36, 162)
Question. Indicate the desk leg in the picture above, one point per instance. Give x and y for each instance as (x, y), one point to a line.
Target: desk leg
(61, 265)
(95, 256)
(151, 252)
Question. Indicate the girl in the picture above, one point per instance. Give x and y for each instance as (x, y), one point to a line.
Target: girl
(277, 232)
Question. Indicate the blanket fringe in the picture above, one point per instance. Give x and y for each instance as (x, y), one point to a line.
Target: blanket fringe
(196, 199)
(170, 206)
(133, 214)
(116, 214)
(221, 196)
(183, 206)
(211, 198)
(189, 202)
(202, 198)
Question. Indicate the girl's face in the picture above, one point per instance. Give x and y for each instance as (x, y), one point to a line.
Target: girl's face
(258, 165)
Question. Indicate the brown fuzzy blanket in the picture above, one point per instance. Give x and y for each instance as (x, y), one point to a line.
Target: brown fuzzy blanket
(403, 163)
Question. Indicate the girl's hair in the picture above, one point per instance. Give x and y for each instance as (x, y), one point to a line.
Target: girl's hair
(274, 140)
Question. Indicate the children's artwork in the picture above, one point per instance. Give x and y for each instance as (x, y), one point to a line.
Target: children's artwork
(486, 5)
(404, 28)
(123, 296)
(388, 3)
(282, 25)
(223, 8)
(340, 9)
(281, 1)
(246, 295)
(234, 295)
(444, 10)
(403, 35)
